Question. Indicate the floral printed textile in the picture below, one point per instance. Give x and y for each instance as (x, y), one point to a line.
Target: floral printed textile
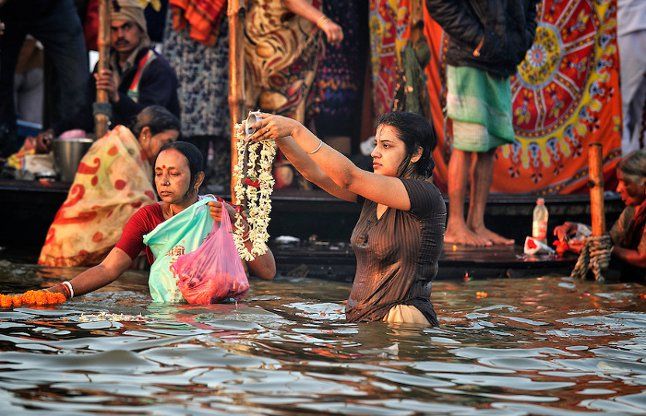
(113, 180)
(202, 72)
(565, 96)
(339, 79)
(282, 53)
(389, 31)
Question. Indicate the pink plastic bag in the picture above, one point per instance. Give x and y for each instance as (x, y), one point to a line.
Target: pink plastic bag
(214, 271)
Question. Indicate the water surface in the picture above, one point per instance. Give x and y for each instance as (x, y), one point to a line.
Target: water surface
(543, 346)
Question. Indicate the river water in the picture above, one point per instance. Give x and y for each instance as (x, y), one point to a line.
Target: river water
(545, 346)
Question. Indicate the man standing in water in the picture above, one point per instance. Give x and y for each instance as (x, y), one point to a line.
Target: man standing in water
(488, 39)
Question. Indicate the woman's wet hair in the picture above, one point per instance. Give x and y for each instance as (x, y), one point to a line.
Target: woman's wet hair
(157, 119)
(633, 166)
(415, 131)
(192, 155)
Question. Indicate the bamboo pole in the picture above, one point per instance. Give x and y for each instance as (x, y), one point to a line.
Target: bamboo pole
(597, 211)
(235, 15)
(101, 106)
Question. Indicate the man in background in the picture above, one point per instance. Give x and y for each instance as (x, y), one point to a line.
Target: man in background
(488, 39)
(57, 26)
(138, 76)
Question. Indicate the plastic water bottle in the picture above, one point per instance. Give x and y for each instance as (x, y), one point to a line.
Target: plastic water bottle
(539, 222)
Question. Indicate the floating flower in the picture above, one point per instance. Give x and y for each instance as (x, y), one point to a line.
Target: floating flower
(31, 297)
(6, 301)
(481, 295)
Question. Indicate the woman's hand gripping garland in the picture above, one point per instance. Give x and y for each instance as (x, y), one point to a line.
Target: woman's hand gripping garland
(254, 184)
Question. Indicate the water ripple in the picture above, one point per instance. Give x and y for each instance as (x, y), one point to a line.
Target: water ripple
(545, 346)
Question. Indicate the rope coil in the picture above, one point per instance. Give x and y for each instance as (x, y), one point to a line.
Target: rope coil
(594, 257)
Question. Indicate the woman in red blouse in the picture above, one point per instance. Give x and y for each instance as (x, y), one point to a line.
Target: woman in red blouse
(178, 176)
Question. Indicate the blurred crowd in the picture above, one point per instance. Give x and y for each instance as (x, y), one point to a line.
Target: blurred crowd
(300, 62)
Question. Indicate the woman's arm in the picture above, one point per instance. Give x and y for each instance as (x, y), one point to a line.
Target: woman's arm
(304, 9)
(632, 257)
(385, 190)
(263, 266)
(101, 275)
(310, 170)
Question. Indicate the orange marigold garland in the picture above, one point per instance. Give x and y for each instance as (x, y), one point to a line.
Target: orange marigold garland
(31, 297)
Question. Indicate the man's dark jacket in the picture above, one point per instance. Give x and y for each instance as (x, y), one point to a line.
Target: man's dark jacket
(508, 27)
(158, 85)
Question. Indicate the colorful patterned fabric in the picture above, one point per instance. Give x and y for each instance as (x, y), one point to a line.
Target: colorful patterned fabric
(202, 72)
(564, 97)
(389, 30)
(282, 54)
(112, 181)
(338, 85)
(201, 18)
(479, 105)
(411, 92)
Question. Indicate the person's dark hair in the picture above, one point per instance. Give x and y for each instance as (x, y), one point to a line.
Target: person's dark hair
(192, 155)
(415, 131)
(633, 166)
(157, 119)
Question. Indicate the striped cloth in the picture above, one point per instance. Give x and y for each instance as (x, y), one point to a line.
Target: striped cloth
(203, 18)
(479, 105)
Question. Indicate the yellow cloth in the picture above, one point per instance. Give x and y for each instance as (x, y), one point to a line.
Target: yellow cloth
(17, 160)
(112, 181)
(405, 314)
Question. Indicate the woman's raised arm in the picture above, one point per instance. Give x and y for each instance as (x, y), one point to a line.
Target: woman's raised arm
(385, 190)
(311, 171)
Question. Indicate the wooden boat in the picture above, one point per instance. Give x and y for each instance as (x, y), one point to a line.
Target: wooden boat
(324, 224)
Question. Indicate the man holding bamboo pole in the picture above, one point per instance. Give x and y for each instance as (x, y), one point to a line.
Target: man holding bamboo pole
(137, 76)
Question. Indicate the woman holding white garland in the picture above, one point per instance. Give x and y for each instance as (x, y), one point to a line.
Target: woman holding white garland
(399, 236)
(178, 176)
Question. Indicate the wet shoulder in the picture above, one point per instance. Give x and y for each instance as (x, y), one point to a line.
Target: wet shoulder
(425, 198)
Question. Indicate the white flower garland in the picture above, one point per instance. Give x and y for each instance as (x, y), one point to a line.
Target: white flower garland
(253, 188)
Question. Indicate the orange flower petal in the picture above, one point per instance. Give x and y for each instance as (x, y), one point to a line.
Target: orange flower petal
(5, 301)
(29, 298)
(41, 298)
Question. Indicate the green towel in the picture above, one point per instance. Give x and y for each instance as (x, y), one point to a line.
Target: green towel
(479, 105)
